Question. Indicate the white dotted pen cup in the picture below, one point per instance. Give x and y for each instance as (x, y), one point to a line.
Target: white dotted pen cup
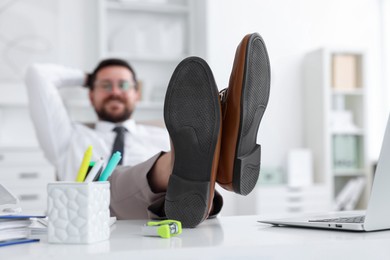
(78, 212)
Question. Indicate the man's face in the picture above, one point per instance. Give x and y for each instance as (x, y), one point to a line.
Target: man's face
(114, 95)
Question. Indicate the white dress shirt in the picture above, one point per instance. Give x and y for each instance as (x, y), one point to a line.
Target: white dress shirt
(64, 142)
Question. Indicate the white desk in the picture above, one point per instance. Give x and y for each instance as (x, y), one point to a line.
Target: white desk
(222, 238)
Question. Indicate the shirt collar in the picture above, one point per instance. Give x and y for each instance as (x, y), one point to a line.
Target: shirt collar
(105, 126)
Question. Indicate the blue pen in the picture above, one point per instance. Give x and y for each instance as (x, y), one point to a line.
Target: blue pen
(115, 158)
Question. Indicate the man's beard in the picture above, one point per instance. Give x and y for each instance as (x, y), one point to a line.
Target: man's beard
(105, 116)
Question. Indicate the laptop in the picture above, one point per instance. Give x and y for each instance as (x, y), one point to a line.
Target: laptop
(377, 214)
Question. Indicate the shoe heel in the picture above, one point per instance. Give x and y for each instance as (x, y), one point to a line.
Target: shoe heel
(187, 201)
(246, 171)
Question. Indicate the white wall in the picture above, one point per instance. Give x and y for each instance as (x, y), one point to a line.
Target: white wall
(291, 29)
(385, 8)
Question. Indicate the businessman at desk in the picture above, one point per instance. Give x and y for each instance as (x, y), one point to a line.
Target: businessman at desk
(212, 136)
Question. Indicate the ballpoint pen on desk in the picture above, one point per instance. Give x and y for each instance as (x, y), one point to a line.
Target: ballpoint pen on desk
(84, 165)
(94, 172)
(115, 158)
(18, 241)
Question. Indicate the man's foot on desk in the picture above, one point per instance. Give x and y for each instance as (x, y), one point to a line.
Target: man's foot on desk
(192, 116)
(243, 106)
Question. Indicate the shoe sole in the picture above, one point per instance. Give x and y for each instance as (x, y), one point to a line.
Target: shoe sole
(193, 120)
(254, 99)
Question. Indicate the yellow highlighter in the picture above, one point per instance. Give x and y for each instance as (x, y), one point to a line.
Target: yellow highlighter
(84, 165)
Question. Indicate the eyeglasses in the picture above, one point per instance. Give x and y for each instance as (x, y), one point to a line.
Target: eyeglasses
(107, 86)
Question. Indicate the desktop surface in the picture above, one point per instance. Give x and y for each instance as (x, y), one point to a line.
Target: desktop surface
(238, 237)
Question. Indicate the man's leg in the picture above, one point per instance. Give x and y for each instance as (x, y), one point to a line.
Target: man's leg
(158, 176)
(138, 192)
(131, 189)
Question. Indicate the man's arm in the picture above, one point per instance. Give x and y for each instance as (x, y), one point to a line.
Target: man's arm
(51, 120)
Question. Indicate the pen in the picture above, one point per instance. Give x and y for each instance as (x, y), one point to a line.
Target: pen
(97, 176)
(84, 165)
(94, 171)
(90, 166)
(115, 158)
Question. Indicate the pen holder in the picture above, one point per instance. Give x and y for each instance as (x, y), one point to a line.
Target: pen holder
(78, 212)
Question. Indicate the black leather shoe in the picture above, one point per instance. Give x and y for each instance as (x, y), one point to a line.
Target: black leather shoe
(192, 116)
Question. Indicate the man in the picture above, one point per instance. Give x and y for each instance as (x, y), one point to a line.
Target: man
(113, 94)
(212, 138)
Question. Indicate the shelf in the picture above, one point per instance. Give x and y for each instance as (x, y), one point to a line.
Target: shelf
(85, 104)
(18, 147)
(150, 105)
(138, 6)
(78, 103)
(349, 172)
(154, 36)
(13, 104)
(348, 92)
(336, 118)
(359, 132)
(146, 57)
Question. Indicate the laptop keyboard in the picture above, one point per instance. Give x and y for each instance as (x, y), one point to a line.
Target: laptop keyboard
(358, 219)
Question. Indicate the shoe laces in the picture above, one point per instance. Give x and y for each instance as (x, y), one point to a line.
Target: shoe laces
(223, 95)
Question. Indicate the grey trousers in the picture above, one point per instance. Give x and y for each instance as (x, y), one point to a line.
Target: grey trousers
(132, 198)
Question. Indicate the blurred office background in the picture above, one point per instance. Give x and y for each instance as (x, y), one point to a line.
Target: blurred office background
(312, 45)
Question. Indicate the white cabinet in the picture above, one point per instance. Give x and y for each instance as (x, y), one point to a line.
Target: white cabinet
(153, 36)
(335, 118)
(284, 200)
(23, 168)
(277, 199)
(25, 172)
